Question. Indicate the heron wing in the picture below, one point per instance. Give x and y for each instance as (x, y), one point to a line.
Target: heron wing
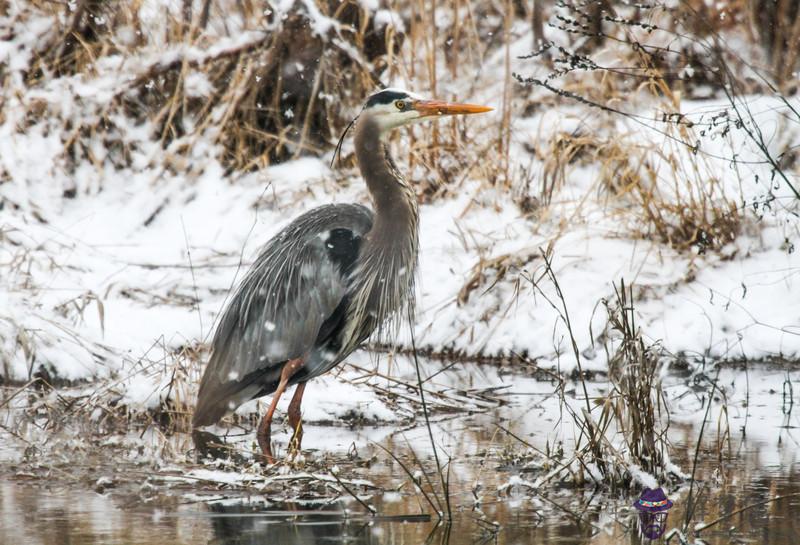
(285, 302)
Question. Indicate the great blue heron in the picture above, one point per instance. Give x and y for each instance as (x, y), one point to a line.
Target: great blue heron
(323, 284)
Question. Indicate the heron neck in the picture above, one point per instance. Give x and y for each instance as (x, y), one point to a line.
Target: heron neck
(395, 201)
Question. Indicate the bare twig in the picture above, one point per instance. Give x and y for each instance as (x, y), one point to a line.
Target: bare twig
(705, 526)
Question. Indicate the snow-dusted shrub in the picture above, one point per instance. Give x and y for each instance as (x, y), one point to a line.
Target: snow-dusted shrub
(623, 440)
(262, 85)
(657, 193)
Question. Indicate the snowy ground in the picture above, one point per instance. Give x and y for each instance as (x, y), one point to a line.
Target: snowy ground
(116, 281)
(115, 266)
(125, 276)
(750, 452)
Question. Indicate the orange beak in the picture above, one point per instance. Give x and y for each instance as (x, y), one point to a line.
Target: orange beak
(439, 107)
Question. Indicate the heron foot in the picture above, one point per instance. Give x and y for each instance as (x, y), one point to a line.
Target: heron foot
(295, 419)
(265, 427)
(263, 437)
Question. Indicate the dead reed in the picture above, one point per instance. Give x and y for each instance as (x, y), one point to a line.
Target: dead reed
(638, 401)
(659, 193)
(622, 435)
(270, 90)
(663, 187)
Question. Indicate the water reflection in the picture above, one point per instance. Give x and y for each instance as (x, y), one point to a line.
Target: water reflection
(238, 525)
(35, 514)
(733, 477)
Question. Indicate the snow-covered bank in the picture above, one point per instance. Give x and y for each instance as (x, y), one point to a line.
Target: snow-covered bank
(115, 264)
(142, 268)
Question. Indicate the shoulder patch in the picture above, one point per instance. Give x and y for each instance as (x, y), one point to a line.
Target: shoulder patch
(342, 246)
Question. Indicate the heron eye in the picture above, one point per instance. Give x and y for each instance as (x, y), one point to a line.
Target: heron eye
(400, 105)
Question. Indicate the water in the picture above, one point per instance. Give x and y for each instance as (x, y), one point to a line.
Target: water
(108, 495)
(42, 514)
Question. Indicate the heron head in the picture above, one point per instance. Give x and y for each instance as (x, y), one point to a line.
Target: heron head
(392, 108)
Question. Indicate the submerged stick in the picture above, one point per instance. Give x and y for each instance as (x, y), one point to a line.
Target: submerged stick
(445, 483)
(703, 526)
(413, 480)
(371, 510)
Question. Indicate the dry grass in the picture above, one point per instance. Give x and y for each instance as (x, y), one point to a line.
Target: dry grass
(436, 63)
(271, 98)
(628, 427)
(623, 432)
(772, 24)
(638, 401)
(286, 92)
(655, 176)
(661, 193)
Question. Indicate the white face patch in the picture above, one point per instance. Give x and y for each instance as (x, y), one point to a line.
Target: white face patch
(388, 115)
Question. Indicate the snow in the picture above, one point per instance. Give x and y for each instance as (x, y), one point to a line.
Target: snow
(197, 85)
(385, 17)
(117, 280)
(336, 398)
(644, 479)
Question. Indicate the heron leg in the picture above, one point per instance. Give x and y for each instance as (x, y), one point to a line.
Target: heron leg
(265, 427)
(295, 420)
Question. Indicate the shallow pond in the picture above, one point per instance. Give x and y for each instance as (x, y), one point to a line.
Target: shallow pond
(750, 453)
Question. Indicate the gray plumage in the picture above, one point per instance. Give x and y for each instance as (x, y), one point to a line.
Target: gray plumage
(325, 283)
(277, 312)
(295, 286)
